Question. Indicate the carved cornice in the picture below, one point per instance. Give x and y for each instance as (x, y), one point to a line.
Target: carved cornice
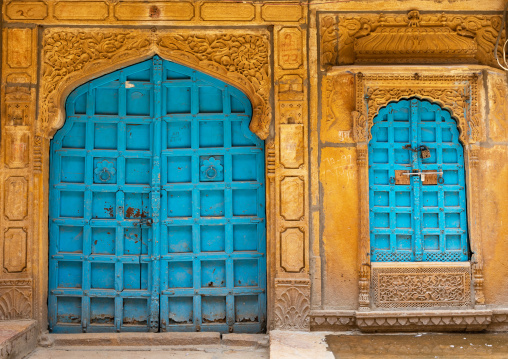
(71, 56)
(456, 93)
(408, 38)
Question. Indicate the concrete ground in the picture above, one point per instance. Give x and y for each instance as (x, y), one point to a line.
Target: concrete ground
(276, 345)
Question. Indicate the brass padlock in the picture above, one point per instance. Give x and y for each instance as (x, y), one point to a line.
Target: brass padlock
(424, 152)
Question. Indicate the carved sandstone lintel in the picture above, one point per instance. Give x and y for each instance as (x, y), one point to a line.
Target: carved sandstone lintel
(408, 38)
(455, 93)
(292, 304)
(72, 56)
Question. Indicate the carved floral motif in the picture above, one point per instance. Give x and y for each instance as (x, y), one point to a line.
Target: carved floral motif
(15, 303)
(70, 55)
(421, 287)
(292, 306)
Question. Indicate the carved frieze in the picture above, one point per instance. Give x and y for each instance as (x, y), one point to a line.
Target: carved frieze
(69, 55)
(292, 304)
(15, 299)
(421, 286)
(408, 38)
(292, 250)
(15, 250)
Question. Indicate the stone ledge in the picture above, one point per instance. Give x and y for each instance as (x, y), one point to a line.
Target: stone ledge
(338, 320)
(17, 338)
(435, 320)
(245, 340)
(132, 339)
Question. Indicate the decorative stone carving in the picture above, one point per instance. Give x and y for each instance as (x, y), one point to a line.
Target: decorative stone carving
(70, 55)
(291, 145)
(16, 198)
(498, 115)
(458, 93)
(37, 154)
(15, 254)
(291, 88)
(437, 320)
(338, 103)
(292, 250)
(17, 140)
(292, 304)
(332, 320)
(418, 286)
(21, 10)
(290, 48)
(414, 41)
(348, 38)
(15, 299)
(292, 194)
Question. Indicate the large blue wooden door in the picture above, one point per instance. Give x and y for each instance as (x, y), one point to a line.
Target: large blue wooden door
(157, 206)
(417, 195)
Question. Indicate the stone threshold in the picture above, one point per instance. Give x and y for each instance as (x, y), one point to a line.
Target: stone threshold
(436, 320)
(17, 338)
(166, 339)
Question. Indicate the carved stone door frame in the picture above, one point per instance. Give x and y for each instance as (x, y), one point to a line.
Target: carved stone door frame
(458, 93)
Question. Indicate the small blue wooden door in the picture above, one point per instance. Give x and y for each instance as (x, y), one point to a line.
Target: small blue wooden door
(157, 206)
(416, 217)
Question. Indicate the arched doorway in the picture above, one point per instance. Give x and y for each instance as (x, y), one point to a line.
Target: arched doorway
(417, 194)
(157, 206)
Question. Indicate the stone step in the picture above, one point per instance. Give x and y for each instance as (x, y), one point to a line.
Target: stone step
(17, 338)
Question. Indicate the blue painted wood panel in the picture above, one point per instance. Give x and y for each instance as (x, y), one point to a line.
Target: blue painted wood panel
(157, 206)
(416, 221)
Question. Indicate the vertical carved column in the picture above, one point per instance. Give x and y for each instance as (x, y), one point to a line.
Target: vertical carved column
(361, 136)
(271, 221)
(292, 283)
(18, 112)
(474, 220)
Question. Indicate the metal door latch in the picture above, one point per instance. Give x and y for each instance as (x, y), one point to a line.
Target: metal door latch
(424, 150)
(145, 222)
(423, 174)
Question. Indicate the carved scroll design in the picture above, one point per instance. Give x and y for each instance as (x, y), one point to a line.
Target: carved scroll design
(421, 287)
(292, 306)
(15, 299)
(70, 56)
(458, 94)
(340, 34)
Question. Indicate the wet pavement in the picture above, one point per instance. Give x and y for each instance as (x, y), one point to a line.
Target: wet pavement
(419, 346)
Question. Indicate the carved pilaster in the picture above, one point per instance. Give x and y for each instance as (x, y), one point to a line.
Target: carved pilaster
(475, 227)
(292, 283)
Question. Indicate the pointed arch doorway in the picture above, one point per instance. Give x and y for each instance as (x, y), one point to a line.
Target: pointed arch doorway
(157, 206)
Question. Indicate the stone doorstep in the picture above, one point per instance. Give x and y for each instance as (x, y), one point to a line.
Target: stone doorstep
(17, 338)
(154, 339)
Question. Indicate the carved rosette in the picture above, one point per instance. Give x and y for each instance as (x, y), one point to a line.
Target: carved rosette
(292, 304)
(71, 56)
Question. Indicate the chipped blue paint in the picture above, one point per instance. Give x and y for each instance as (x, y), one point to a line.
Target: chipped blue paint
(157, 206)
(416, 222)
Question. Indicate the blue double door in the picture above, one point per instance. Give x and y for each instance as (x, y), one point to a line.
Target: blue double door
(417, 185)
(157, 206)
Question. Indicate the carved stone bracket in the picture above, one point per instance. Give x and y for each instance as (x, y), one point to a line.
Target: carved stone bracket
(72, 56)
(456, 93)
(450, 38)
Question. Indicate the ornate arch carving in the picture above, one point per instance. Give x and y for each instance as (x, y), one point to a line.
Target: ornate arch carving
(456, 93)
(71, 57)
